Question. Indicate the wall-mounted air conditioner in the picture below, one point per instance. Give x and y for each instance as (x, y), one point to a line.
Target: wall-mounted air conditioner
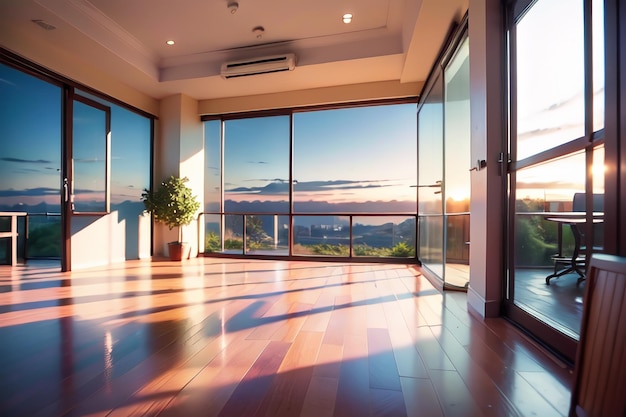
(255, 66)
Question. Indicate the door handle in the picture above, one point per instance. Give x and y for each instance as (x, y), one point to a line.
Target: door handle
(66, 191)
(437, 184)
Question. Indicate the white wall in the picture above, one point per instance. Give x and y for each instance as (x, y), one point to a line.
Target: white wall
(97, 240)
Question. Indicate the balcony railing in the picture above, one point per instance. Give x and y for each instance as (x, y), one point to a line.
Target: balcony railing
(329, 235)
(38, 237)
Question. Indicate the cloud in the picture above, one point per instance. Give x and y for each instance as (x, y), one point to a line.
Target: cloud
(280, 186)
(40, 192)
(282, 180)
(26, 161)
(30, 192)
(256, 162)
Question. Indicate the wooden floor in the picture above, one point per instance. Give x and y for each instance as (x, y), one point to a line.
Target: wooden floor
(222, 337)
(560, 304)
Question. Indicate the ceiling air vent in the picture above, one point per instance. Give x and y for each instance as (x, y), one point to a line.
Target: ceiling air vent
(255, 66)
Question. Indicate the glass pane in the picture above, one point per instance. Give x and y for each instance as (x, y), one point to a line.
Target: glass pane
(457, 132)
(267, 235)
(30, 160)
(457, 167)
(550, 76)
(213, 233)
(355, 160)
(89, 158)
(233, 234)
(598, 171)
(430, 137)
(130, 171)
(544, 245)
(44, 236)
(30, 143)
(256, 165)
(321, 235)
(598, 63)
(130, 158)
(383, 236)
(457, 249)
(431, 243)
(213, 166)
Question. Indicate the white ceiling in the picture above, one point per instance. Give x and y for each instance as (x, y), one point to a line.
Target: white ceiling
(387, 40)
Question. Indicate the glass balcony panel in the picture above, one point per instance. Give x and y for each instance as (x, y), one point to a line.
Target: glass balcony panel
(431, 243)
(267, 235)
(44, 236)
(321, 236)
(213, 233)
(383, 236)
(233, 234)
(457, 249)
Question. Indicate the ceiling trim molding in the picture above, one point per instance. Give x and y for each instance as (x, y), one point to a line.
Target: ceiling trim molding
(85, 17)
(311, 97)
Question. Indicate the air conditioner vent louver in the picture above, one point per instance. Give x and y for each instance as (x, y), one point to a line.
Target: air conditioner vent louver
(255, 66)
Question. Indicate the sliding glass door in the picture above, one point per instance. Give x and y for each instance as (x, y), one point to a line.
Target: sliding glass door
(444, 168)
(457, 167)
(556, 176)
(430, 208)
(75, 164)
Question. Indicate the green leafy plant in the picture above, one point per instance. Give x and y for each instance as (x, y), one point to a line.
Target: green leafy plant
(402, 250)
(212, 242)
(172, 204)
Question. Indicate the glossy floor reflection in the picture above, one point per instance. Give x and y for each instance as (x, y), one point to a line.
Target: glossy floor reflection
(560, 303)
(217, 337)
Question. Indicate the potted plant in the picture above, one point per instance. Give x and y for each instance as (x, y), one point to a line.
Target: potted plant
(174, 205)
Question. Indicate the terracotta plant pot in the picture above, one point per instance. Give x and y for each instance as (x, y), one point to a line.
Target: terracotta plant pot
(178, 250)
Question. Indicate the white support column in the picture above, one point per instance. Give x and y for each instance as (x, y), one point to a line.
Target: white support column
(180, 152)
(487, 141)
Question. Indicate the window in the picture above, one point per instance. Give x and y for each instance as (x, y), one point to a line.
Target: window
(332, 182)
(30, 157)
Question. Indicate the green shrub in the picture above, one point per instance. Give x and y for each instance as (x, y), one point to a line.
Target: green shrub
(212, 242)
(402, 250)
(233, 244)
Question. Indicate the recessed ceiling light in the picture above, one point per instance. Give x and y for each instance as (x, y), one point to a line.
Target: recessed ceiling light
(232, 7)
(170, 42)
(258, 31)
(347, 18)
